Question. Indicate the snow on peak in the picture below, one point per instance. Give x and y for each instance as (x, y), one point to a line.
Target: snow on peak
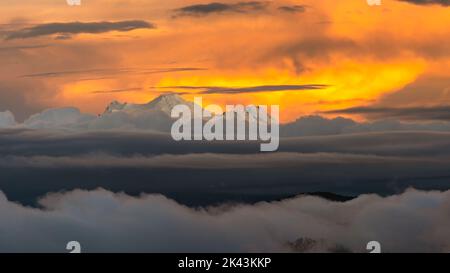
(173, 99)
(163, 103)
(115, 106)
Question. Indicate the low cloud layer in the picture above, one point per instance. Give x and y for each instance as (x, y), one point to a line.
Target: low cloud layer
(34, 142)
(205, 173)
(216, 161)
(78, 28)
(105, 222)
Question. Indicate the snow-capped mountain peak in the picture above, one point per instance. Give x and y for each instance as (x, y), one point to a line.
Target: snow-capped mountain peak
(167, 102)
(163, 103)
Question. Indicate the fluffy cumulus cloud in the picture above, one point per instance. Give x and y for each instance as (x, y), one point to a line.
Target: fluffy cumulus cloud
(105, 222)
(53, 118)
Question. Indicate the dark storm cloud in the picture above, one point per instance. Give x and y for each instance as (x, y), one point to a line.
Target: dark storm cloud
(444, 3)
(293, 9)
(405, 113)
(217, 7)
(78, 28)
(206, 90)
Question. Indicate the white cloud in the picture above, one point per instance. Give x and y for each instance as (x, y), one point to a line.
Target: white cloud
(105, 222)
(57, 118)
(7, 119)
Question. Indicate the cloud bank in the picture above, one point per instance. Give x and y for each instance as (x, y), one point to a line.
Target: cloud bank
(105, 222)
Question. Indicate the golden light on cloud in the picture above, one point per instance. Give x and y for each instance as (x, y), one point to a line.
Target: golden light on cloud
(361, 53)
(348, 83)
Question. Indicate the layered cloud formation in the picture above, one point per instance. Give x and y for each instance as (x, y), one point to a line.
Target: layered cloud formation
(205, 173)
(386, 68)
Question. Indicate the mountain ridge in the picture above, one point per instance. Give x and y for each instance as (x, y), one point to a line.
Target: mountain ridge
(155, 115)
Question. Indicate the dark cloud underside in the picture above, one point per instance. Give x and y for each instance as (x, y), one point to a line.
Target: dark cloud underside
(293, 9)
(407, 113)
(206, 90)
(66, 29)
(445, 3)
(216, 7)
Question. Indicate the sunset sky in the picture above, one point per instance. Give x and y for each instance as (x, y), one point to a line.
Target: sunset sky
(308, 56)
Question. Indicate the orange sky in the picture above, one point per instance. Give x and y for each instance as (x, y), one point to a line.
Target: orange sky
(362, 53)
